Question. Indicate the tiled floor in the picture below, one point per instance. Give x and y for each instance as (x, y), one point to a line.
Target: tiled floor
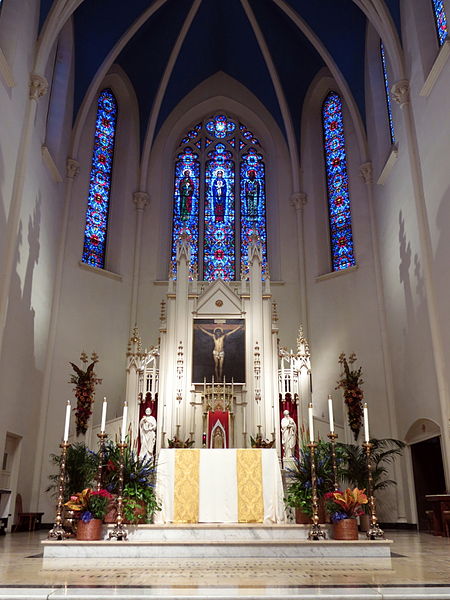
(420, 567)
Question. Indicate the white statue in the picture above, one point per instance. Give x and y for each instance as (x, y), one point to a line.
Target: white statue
(288, 434)
(147, 428)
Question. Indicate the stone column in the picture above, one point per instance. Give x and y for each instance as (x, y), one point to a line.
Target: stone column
(299, 201)
(140, 200)
(400, 93)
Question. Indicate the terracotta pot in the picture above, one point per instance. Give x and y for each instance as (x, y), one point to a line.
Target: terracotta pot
(345, 529)
(111, 511)
(91, 531)
(301, 518)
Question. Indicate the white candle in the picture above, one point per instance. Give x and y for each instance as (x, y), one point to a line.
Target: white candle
(103, 425)
(311, 424)
(330, 413)
(366, 423)
(67, 422)
(124, 422)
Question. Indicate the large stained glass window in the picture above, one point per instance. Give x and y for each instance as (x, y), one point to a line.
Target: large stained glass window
(388, 95)
(337, 184)
(100, 181)
(221, 166)
(440, 20)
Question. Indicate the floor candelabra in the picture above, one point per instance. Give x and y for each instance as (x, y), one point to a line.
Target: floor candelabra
(57, 532)
(375, 532)
(119, 531)
(101, 458)
(315, 532)
(332, 436)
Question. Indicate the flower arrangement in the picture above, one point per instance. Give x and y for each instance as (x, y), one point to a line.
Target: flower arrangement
(91, 504)
(258, 442)
(350, 381)
(345, 505)
(85, 382)
(176, 443)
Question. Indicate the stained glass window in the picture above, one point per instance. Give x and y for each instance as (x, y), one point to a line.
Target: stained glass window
(440, 20)
(186, 196)
(224, 165)
(388, 95)
(337, 184)
(219, 239)
(253, 204)
(100, 181)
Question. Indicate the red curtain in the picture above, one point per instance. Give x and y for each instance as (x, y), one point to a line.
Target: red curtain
(223, 417)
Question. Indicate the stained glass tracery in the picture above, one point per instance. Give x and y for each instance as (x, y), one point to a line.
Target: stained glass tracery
(440, 20)
(220, 126)
(337, 184)
(388, 95)
(100, 181)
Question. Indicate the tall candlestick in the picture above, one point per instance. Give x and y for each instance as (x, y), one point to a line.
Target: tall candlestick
(102, 426)
(282, 378)
(67, 422)
(366, 422)
(330, 413)
(311, 424)
(124, 422)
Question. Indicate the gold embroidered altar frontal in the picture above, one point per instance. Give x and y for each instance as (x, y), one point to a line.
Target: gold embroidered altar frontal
(186, 498)
(250, 486)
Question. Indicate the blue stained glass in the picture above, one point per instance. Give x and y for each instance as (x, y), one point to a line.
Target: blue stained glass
(220, 126)
(192, 134)
(337, 184)
(388, 95)
(248, 135)
(441, 20)
(208, 142)
(100, 181)
(219, 238)
(253, 205)
(186, 196)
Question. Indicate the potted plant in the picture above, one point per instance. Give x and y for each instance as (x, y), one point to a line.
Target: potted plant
(81, 469)
(91, 506)
(343, 508)
(354, 469)
(139, 499)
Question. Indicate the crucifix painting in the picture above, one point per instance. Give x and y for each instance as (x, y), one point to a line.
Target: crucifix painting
(219, 350)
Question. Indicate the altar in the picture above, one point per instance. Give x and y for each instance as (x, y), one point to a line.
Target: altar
(219, 486)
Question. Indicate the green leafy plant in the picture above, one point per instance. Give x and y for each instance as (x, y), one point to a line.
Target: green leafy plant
(91, 504)
(81, 470)
(176, 443)
(350, 381)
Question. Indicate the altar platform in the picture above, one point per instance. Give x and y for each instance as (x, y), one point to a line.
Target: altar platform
(217, 541)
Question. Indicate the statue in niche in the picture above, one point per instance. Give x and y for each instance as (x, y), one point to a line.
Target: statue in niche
(186, 191)
(219, 194)
(147, 429)
(252, 193)
(288, 434)
(218, 352)
(218, 441)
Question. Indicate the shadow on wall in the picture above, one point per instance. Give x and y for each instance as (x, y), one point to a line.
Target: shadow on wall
(441, 266)
(20, 379)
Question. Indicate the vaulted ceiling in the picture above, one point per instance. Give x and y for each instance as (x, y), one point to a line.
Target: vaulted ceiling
(257, 42)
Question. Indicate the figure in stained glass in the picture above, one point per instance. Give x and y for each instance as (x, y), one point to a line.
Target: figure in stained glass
(219, 193)
(251, 187)
(186, 191)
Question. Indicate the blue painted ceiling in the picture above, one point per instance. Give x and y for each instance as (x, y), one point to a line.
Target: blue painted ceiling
(220, 38)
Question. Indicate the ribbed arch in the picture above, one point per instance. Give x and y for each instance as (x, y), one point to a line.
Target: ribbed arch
(97, 213)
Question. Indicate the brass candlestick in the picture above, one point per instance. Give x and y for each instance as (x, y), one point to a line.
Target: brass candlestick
(119, 531)
(57, 532)
(315, 532)
(375, 532)
(101, 458)
(333, 437)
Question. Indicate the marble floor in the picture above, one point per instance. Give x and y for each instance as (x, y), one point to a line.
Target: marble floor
(419, 568)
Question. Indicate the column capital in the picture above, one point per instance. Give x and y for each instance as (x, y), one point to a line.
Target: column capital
(400, 92)
(141, 200)
(298, 200)
(38, 86)
(72, 168)
(366, 172)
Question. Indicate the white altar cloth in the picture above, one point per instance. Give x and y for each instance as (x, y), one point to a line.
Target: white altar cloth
(218, 498)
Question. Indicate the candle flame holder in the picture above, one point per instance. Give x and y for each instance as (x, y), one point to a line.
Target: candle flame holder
(375, 532)
(315, 532)
(101, 458)
(57, 532)
(119, 531)
(332, 436)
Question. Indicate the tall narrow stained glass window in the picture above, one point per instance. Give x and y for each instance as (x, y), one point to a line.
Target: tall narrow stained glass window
(100, 181)
(342, 255)
(219, 197)
(388, 95)
(440, 20)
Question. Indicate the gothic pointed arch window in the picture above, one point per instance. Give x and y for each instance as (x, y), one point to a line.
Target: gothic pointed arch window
(387, 91)
(440, 20)
(339, 210)
(219, 197)
(100, 181)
